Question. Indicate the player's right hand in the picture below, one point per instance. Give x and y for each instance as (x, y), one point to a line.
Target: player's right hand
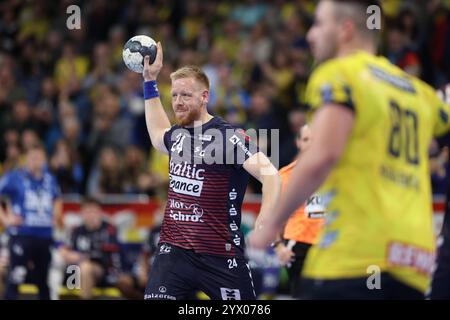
(151, 71)
(284, 254)
(262, 236)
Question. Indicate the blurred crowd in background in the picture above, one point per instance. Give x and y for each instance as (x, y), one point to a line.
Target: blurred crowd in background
(70, 90)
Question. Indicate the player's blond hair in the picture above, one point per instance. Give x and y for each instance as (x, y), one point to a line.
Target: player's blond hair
(191, 72)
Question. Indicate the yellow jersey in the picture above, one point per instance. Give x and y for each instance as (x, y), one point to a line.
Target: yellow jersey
(378, 196)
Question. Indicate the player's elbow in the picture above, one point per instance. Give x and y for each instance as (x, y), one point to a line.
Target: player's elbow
(157, 139)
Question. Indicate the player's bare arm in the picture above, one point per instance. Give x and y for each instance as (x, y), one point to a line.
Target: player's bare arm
(58, 214)
(155, 116)
(332, 125)
(260, 167)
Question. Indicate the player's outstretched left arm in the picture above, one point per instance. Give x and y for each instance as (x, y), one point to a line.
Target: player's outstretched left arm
(260, 167)
(332, 126)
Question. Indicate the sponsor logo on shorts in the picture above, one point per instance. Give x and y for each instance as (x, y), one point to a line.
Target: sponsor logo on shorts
(230, 294)
(159, 296)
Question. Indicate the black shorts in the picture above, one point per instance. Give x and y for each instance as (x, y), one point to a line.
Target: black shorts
(358, 289)
(176, 274)
(29, 261)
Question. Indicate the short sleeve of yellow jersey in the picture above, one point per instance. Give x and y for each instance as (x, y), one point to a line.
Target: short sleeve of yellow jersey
(441, 112)
(329, 84)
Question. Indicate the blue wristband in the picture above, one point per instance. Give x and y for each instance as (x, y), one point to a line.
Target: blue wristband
(150, 90)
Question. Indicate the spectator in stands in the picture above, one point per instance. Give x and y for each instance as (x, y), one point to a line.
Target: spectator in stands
(65, 116)
(110, 126)
(65, 165)
(137, 176)
(70, 69)
(230, 41)
(94, 248)
(22, 116)
(101, 71)
(261, 43)
(28, 139)
(400, 51)
(262, 114)
(47, 105)
(231, 101)
(117, 37)
(12, 159)
(280, 74)
(10, 90)
(108, 177)
(9, 137)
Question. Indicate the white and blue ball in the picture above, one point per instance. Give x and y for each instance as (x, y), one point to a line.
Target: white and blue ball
(136, 49)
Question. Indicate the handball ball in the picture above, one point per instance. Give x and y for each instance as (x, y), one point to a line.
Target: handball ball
(136, 49)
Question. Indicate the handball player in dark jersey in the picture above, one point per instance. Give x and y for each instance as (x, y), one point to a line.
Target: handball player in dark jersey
(201, 245)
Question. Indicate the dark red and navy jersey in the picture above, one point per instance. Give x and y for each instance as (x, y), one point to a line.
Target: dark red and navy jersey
(207, 183)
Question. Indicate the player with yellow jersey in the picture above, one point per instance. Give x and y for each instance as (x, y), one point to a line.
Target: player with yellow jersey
(303, 226)
(373, 124)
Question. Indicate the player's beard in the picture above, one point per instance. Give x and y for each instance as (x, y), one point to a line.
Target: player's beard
(188, 118)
